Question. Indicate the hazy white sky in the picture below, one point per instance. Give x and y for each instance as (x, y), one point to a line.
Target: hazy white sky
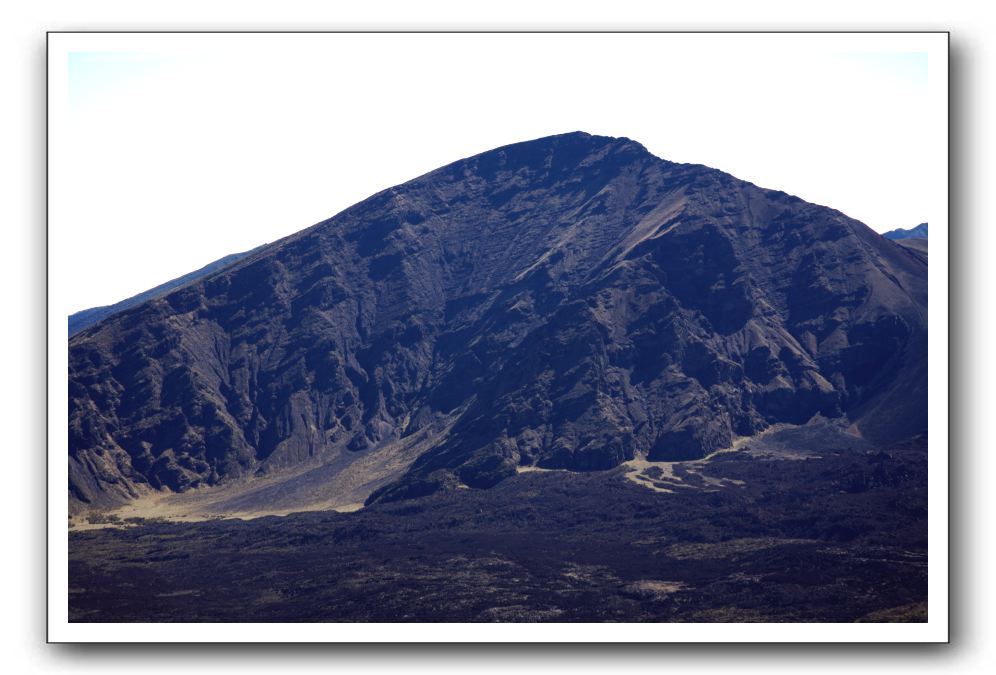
(170, 151)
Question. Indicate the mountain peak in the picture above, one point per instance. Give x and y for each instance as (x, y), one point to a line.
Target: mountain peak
(574, 138)
(572, 149)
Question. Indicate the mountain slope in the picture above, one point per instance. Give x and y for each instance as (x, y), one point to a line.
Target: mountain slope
(569, 302)
(84, 319)
(919, 245)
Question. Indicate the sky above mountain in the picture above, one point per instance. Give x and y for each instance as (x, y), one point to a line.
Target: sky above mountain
(169, 151)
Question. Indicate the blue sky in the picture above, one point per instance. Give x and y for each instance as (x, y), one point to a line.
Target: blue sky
(180, 150)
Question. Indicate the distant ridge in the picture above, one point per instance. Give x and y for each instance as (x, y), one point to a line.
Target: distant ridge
(88, 317)
(918, 232)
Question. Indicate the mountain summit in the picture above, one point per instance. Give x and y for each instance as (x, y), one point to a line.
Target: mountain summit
(570, 302)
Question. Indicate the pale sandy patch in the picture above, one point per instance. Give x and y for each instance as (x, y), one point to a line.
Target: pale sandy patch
(723, 549)
(530, 469)
(339, 482)
(656, 590)
(636, 468)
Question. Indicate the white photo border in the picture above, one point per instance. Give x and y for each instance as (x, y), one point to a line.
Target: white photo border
(935, 630)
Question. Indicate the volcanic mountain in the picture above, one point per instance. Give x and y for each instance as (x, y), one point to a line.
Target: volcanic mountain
(570, 302)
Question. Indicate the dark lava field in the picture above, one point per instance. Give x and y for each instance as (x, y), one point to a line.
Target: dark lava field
(838, 538)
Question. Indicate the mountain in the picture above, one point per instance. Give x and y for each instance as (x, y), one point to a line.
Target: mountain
(572, 302)
(918, 232)
(85, 318)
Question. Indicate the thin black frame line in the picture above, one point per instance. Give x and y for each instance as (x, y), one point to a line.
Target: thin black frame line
(452, 32)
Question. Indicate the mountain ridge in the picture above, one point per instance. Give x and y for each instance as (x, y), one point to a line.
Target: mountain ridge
(918, 232)
(83, 319)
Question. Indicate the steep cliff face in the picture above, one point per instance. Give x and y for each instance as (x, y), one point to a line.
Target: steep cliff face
(568, 302)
